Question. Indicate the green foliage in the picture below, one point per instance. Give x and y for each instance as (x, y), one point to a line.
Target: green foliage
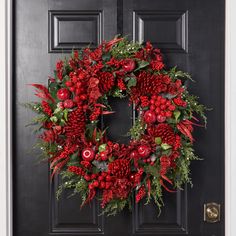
(115, 206)
(125, 49)
(137, 130)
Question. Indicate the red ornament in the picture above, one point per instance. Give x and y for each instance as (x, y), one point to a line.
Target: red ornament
(150, 117)
(68, 103)
(88, 154)
(144, 151)
(63, 94)
(128, 65)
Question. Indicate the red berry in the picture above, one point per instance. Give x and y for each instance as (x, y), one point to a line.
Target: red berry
(68, 83)
(103, 156)
(95, 183)
(88, 154)
(158, 110)
(72, 89)
(152, 107)
(93, 176)
(91, 186)
(150, 117)
(68, 103)
(152, 101)
(163, 101)
(134, 154)
(87, 178)
(108, 178)
(163, 107)
(63, 94)
(168, 114)
(172, 107)
(102, 184)
(144, 151)
(108, 184)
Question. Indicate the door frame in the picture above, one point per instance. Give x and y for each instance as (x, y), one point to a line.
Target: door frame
(6, 211)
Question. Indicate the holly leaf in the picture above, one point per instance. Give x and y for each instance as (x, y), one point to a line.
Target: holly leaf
(165, 146)
(102, 147)
(141, 64)
(132, 82)
(177, 114)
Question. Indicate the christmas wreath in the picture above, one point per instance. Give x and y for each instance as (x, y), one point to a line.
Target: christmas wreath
(160, 149)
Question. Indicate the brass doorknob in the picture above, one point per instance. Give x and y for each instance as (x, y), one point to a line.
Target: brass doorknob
(211, 212)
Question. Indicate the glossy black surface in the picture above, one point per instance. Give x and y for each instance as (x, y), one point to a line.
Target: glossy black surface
(191, 34)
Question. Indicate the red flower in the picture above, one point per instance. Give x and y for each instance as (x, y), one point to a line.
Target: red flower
(128, 65)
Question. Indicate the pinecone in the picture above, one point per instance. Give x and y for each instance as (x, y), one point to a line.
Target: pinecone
(147, 84)
(119, 168)
(76, 124)
(106, 82)
(164, 131)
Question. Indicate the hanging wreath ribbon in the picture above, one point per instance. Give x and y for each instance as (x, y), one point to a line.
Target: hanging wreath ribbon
(160, 148)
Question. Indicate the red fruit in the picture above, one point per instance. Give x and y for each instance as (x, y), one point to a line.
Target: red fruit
(95, 183)
(152, 107)
(108, 184)
(68, 83)
(150, 117)
(158, 110)
(172, 107)
(102, 184)
(100, 178)
(87, 177)
(134, 154)
(93, 176)
(103, 156)
(91, 186)
(168, 114)
(129, 65)
(132, 177)
(152, 101)
(68, 103)
(108, 178)
(104, 174)
(63, 94)
(72, 89)
(88, 154)
(161, 118)
(144, 151)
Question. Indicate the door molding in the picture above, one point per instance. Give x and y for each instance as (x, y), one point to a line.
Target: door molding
(6, 213)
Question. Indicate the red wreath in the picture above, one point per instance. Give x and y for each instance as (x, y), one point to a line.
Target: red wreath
(160, 148)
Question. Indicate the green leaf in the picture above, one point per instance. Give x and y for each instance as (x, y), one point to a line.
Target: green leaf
(177, 114)
(132, 82)
(74, 156)
(54, 119)
(106, 57)
(158, 140)
(141, 64)
(65, 114)
(165, 146)
(102, 147)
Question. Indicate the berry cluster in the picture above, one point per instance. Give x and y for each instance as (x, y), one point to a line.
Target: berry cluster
(162, 107)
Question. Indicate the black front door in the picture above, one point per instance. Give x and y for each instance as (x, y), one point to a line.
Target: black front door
(190, 33)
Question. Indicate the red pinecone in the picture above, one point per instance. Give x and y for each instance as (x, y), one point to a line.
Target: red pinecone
(106, 81)
(147, 84)
(76, 124)
(119, 168)
(165, 132)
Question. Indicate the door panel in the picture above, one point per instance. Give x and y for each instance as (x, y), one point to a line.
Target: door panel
(191, 35)
(186, 31)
